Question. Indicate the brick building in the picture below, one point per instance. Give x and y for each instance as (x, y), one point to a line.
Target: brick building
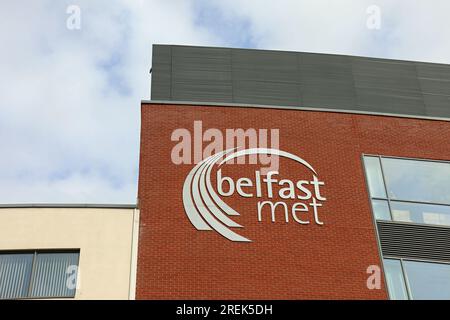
(374, 134)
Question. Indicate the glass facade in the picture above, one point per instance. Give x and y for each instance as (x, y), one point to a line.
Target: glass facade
(375, 177)
(418, 192)
(418, 280)
(420, 213)
(38, 274)
(395, 279)
(417, 180)
(428, 280)
(381, 210)
(405, 190)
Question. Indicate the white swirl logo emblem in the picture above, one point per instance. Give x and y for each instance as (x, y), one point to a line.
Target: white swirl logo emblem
(207, 211)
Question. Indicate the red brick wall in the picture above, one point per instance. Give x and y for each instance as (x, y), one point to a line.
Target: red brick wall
(284, 260)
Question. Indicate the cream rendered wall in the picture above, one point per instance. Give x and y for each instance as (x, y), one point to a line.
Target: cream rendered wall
(103, 235)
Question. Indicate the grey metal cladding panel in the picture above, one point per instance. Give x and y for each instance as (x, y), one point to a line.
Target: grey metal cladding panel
(433, 71)
(390, 101)
(437, 105)
(265, 77)
(161, 73)
(205, 60)
(195, 92)
(162, 54)
(266, 93)
(414, 241)
(387, 86)
(328, 94)
(201, 74)
(266, 66)
(333, 99)
(324, 66)
(433, 86)
(326, 81)
(372, 73)
(434, 79)
(184, 73)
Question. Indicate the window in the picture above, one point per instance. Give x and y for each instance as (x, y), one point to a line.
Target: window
(395, 280)
(420, 213)
(38, 274)
(408, 190)
(416, 180)
(375, 177)
(381, 209)
(428, 280)
(418, 280)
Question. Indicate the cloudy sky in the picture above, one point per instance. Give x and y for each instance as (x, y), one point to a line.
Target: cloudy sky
(70, 98)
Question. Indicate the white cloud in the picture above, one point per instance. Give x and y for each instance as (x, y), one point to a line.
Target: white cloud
(410, 29)
(70, 100)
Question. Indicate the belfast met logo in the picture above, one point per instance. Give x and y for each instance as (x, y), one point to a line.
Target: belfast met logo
(207, 210)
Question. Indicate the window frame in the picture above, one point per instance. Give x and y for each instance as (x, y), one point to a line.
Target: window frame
(389, 200)
(35, 252)
(374, 220)
(405, 275)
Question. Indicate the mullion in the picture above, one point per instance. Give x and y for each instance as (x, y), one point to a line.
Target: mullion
(385, 188)
(420, 202)
(406, 280)
(32, 276)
